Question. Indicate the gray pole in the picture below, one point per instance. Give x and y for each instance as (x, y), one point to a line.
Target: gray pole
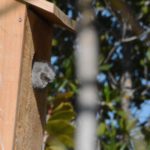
(86, 55)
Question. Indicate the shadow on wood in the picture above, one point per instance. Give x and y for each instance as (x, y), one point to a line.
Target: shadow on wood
(32, 103)
(25, 36)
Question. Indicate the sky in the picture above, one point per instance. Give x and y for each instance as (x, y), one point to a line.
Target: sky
(141, 114)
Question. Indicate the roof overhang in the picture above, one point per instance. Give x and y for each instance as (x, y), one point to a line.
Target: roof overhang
(51, 13)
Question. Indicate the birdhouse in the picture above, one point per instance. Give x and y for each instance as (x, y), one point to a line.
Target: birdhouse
(26, 31)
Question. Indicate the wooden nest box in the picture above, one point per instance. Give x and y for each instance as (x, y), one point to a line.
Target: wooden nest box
(26, 28)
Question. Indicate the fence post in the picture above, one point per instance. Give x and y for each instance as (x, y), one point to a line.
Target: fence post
(87, 69)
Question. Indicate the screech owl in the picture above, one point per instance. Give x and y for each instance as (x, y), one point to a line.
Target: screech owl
(42, 74)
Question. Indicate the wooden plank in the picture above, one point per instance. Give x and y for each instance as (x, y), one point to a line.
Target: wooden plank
(12, 20)
(16, 53)
(53, 14)
(32, 103)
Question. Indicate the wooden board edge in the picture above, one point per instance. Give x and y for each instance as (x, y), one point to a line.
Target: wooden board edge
(71, 24)
(61, 18)
(12, 24)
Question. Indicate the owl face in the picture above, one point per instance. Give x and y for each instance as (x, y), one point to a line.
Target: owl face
(42, 74)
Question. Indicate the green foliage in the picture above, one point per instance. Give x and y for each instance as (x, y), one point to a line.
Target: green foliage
(60, 131)
(59, 127)
(105, 67)
(116, 57)
(101, 129)
(63, 111)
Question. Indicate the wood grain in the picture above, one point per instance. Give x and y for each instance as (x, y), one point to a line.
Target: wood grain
(32, 103)
(24, 37)
(12, 20)
(52, 13)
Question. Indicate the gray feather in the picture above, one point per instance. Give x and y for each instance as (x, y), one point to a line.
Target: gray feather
(42, 74)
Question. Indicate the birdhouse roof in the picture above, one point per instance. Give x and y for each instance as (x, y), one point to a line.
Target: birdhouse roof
(51, 13)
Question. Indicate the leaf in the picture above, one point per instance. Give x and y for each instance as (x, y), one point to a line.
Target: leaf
(101, 129)
(65, 115)
(142, 62)
(65, 95)
(67, 63)
(54, 42)
(73, 87)
(123, 147)
(148, 54)
(130, 124)
(59, 127)
(107, 93)
(55, 144)
(63, 106)
(61, 98)
(56, 147)
(66, 140)
(101, 59)
(145, 9)
(105, 67)
(62, 86)
(60, 143)
(122, 114)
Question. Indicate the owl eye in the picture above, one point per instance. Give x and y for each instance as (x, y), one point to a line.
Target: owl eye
(44, 77)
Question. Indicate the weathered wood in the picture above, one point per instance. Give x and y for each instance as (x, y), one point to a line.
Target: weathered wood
(51, 13)
(31, 105)
(12, 19)
(24, 36)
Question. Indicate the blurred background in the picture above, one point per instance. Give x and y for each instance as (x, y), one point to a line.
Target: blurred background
(123, 80)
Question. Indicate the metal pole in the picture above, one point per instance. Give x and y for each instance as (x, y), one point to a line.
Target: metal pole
(86, 55)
